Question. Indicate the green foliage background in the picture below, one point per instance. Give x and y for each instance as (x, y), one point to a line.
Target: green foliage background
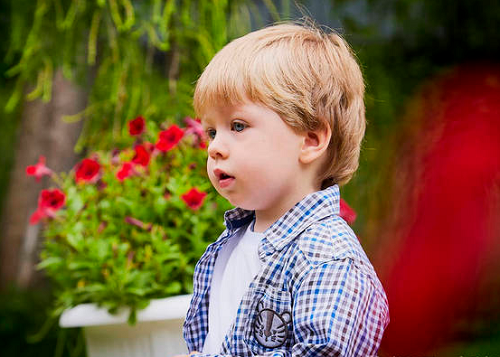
(9, 121)
(135, 56)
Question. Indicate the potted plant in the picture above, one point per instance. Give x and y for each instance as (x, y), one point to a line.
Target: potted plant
(126, 227)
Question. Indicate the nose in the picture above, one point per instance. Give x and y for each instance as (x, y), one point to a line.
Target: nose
(217, 149)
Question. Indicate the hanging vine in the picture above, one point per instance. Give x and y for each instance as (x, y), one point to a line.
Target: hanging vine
(135, 57)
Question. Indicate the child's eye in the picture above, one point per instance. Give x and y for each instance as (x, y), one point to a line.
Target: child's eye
(238, 126)
(211, 133)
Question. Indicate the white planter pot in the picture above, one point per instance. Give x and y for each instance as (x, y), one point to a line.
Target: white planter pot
(158, 331)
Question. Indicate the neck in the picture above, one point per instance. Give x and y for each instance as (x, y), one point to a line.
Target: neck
(263, 222)
(265, 218)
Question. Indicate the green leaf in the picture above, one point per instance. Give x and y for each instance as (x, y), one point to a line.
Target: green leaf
(75, 240)
(49, 263)
(137, 291)
(173, 288)
(75, 201)
(80, 264)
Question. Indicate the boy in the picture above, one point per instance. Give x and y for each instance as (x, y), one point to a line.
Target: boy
(283, 109)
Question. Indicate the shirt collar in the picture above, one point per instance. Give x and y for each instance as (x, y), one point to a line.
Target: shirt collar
(312, 208)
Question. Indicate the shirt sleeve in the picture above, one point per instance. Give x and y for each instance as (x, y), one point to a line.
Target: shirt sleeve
(337, 311)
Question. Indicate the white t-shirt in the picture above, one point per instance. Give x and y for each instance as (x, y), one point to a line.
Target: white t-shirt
(236, 265)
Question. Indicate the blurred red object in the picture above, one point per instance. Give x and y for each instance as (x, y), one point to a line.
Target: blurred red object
(39, 170)
(346, 212)
(449, 183)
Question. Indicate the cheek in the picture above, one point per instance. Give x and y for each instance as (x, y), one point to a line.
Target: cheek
(276, 162)
(210, 171)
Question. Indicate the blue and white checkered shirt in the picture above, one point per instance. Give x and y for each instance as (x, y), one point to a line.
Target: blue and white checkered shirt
(316, 294)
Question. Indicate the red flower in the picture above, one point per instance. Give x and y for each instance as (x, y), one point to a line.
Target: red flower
(136, 126)
(49, 201)
(126, 171)
(169, 138)
(194, 198)
(141, 156)
(87, 170)
(39, 169)
(346, 212)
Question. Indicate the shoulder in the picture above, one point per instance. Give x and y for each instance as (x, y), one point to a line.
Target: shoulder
(327, 239)
(331, 240)
(330, 247)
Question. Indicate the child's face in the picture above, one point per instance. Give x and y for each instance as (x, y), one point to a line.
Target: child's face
(253, 157)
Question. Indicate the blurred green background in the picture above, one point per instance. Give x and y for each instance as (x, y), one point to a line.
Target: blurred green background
(148, 66)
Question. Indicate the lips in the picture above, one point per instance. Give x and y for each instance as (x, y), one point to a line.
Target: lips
(223, 178)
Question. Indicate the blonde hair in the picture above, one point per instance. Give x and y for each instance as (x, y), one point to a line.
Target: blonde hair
(309, 77)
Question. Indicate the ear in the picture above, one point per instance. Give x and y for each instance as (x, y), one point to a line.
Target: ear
(314, 144)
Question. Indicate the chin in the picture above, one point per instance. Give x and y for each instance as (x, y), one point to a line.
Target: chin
(231, 200)
(239, 203)
(249, 206)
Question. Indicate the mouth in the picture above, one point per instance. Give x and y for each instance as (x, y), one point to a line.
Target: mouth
(224, 178)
